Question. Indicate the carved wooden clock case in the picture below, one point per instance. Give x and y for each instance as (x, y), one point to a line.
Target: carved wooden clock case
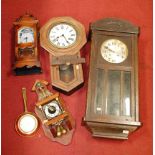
(26, 46)
(63, 37)
(57, 122)
(112, 101)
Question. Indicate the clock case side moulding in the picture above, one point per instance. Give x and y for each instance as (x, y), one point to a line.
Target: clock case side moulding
(108, 126)
(27, 64)
(67, 81)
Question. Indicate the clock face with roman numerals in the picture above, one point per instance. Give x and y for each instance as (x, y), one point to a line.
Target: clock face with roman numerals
(114, 51)
(62, 35)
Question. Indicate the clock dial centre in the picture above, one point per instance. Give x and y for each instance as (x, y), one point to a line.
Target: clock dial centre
(51, 109)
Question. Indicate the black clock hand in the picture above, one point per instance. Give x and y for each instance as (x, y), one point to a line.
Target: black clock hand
(109, 49)
(65, 38)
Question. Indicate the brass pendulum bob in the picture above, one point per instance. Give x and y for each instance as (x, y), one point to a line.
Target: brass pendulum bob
(58, 131)
(63, 130)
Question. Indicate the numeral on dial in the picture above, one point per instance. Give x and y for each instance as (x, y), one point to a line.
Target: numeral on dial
(62, 35)
(114, 51)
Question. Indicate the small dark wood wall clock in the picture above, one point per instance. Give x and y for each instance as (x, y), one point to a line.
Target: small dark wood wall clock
(112, 102)
(26, 50)
(63, 37)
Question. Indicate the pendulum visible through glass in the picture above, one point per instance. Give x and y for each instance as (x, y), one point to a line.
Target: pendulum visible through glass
(66, 73)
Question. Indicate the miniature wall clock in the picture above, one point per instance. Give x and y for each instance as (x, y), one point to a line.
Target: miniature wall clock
(112, 101)
(63, 37)
(26, 50)
(57, 122)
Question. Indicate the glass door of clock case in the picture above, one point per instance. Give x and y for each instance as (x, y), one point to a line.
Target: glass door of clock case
(115, 100)
(113, 95)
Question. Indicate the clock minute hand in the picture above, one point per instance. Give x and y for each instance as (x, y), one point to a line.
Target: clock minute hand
(65, 38)
(109, 49)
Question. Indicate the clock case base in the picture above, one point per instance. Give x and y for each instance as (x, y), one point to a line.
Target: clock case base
(71, 91)
(26, 70)
(67, 80)
(48, 125)
(111, 130)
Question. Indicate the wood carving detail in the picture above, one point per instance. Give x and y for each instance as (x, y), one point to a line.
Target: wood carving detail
(116, 25)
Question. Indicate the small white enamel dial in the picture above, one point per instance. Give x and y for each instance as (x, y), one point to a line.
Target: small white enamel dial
(52, 109)
(62, 35)
(25, 35)
(27, 124)
(114, 51)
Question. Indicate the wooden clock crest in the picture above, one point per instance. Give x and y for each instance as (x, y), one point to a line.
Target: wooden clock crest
(112, 101)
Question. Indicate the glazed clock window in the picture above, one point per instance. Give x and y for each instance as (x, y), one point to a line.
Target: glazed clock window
(25, 35)
(114, 51)
(62, 35)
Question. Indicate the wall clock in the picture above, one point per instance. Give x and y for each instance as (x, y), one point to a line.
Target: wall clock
(63, 37)
(112, 102)
(57, 122)
(26, 40)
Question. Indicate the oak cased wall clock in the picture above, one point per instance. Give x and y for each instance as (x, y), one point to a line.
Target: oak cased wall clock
(26, 45)
(112, 101)
(63, 37)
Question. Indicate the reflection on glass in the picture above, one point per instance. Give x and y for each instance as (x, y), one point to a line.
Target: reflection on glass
(99, 92)
(114, 93)
(66, 73)
(127, 90)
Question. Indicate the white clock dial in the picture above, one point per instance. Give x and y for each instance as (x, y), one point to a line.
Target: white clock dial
(25, 35)
(52, 109)
(114, 51)
(62, 35)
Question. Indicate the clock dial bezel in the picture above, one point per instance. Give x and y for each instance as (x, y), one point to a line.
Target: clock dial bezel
(57, 51)
(60, 47)
(109, 59)
(54, 104)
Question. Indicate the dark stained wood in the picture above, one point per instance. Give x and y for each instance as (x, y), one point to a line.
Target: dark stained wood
(105, 124)
(115, 25)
